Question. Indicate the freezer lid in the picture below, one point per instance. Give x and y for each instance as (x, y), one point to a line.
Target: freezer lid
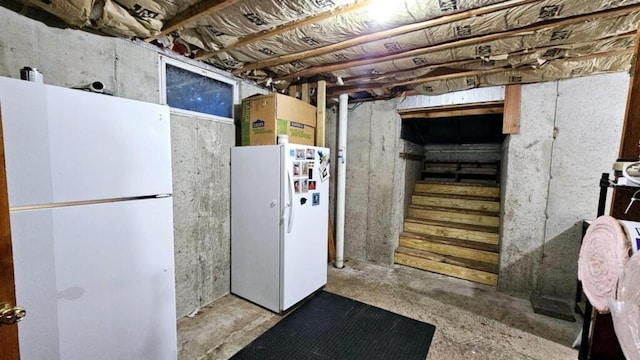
(65, 145)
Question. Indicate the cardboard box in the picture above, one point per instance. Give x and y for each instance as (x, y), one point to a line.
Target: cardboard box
(264, 117)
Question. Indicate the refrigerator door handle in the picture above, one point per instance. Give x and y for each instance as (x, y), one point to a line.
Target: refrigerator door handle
(290, 204)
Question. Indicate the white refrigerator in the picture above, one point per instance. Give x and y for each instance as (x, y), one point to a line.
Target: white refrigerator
(279, 223)
(89, 181)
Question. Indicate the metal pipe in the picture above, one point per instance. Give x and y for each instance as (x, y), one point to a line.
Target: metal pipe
(342, 179)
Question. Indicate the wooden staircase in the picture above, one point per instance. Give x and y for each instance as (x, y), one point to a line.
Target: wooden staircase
(451, 228)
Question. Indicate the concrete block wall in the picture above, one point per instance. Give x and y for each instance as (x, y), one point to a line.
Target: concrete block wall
(601, 102)
(525, 179)
(376, 179)
(200, 146)
(569, 134)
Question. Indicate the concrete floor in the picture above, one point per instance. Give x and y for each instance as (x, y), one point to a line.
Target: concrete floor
(472, 321)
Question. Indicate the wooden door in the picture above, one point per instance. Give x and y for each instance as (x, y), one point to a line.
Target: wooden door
(8, 333)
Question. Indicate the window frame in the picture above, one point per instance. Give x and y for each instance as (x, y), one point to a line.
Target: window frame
(164, 61)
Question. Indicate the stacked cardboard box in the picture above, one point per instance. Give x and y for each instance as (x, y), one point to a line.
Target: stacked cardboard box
(264, 117)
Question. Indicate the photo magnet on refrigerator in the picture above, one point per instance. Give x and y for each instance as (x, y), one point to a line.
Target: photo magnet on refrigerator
(311, 154)
(315, 199)
(324, 166)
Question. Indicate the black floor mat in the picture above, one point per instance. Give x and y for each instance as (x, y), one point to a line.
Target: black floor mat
(330, 326)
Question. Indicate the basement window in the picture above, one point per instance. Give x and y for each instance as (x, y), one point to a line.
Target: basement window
(191, 90)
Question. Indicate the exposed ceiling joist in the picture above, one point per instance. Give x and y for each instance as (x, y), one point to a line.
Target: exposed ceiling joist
(383, 34)
(191, 15)
(464, 42)
(427, 47)
(287, 27)
(454, 64)
(337, 90)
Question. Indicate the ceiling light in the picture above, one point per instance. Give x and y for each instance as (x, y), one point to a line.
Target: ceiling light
(380, 10)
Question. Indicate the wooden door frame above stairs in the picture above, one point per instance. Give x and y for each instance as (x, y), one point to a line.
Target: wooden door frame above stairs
(510, 108)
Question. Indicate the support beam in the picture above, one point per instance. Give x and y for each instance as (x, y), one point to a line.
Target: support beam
(305, 96)
(511, 115)
(371, 86)
(452, 44)
(354, 80)
(446, 19)
(630, 140)
(192, 14)
(292, 90)
(287, 27)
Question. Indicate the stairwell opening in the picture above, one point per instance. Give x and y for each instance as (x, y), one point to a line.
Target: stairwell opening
(452, 223)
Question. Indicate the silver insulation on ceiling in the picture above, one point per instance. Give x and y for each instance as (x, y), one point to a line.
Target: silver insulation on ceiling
(521, 41)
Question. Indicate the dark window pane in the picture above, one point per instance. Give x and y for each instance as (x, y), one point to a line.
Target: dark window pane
(191, 91)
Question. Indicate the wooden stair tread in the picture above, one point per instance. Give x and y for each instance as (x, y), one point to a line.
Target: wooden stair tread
(458, 196)
(456, 210)
(441, 212)
(460, 272)
(462, 161)
(454, 225)
(442, 170)
(426, 182)
(451, 260)
(452, 228)
(449, 250)
(482, 204)
(451, 232)
(454, 242)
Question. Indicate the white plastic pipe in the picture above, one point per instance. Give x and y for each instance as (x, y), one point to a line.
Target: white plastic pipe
(342, 179)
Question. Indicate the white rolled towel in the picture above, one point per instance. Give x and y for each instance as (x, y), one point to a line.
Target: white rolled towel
(604, 252)
(625, 311)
